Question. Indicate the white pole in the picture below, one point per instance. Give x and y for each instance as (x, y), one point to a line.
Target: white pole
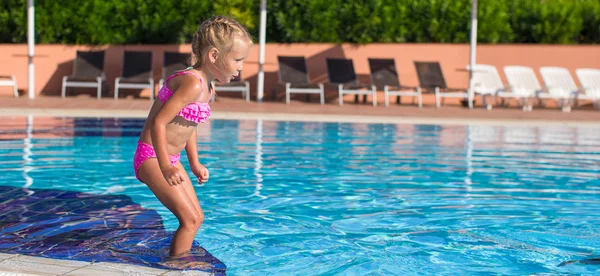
(261, 51)
(30, 46)
(473, 57)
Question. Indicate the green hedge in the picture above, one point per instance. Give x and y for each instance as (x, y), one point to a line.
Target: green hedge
(358, 21)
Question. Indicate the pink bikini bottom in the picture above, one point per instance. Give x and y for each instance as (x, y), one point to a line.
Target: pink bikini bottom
(145, 151)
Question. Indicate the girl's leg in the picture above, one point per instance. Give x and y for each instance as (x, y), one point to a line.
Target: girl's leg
(176, 199)
(189, 188)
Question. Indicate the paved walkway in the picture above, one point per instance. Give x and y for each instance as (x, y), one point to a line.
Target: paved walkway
(237, 108)
(20, 265)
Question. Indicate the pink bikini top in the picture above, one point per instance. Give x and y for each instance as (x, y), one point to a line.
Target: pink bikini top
(196, 112)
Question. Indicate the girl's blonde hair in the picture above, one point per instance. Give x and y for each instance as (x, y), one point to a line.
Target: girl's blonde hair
(219, 32)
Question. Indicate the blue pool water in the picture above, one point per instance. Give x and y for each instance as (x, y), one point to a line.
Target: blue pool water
(350, 199)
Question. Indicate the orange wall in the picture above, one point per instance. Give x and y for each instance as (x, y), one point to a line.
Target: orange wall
(52, 62)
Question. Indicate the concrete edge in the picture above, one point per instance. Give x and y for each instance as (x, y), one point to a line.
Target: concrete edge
(124, 113)
(78, 267)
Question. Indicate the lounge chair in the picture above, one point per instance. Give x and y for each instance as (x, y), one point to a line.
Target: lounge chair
(590, 84)
(341, 72)
(137, 72)
(560, 87)
(10, 81)
(293, 74)
(486, 82)
(384, 75)
(236, 85)
(173, 62)
(523, 85)
(88, 71)
(431, 78)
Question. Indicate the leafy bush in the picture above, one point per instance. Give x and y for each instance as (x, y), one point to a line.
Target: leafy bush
(333, 21)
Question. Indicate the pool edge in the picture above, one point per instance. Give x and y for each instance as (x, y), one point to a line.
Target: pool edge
(228, 115)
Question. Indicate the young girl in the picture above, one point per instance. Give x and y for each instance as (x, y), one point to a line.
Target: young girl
(220, 47)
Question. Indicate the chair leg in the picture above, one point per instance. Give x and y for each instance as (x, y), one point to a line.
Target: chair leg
(99, 88)
(470, 99)
(15, 89)
(386, 100)
(566, 105)
(484, 100)
(374, 95)
(322, 93)
(247, 92)
(437, 97)
(117, 88)
(340, 94)
(287, 93)
(63, 92)
(527, 103)
(419, 97)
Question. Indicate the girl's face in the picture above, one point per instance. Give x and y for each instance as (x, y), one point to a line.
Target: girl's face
(232, 63)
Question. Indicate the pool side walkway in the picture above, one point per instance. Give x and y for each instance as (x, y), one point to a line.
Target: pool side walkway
(236, 108)
(20, 265)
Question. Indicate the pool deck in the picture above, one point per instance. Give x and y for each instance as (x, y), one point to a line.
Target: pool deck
(235, 108)
(20, 265)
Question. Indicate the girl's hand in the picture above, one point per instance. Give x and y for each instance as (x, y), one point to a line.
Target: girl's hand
(173, 175)
(201, 172)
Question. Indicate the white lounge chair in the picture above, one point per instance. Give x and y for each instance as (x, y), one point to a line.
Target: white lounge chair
(486, 82)
(523, 85)
(560, 86)
(589, 79)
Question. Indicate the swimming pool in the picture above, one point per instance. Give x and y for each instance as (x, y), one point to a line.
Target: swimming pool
(354, 199)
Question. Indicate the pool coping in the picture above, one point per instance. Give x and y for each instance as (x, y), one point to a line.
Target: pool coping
(338, 118)
(22, 265)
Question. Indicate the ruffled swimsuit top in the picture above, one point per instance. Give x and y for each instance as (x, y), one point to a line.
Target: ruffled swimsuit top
(196, 112)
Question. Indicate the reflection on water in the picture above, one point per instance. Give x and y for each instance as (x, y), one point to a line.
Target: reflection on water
(93, 228)
(339, 198)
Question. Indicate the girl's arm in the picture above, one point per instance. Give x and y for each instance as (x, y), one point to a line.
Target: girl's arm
(191, 148)
(199, 170)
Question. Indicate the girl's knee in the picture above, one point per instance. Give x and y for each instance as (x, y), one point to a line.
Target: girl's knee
(201, 216)
(192, 221)
(200, 219)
